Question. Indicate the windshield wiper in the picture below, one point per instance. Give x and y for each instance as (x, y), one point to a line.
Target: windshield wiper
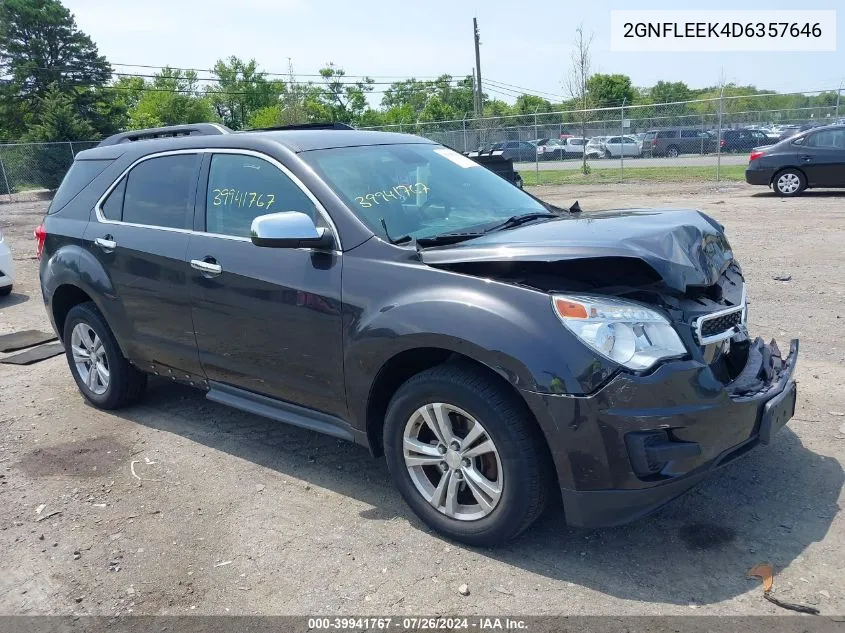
(518, 220)
(404, 239)
(448, 238)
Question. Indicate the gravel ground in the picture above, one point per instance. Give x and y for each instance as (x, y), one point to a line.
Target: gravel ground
(182, 506)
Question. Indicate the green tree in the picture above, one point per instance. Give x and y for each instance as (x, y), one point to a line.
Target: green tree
(436, 110)
(670, 92)
(58, 121)
(338, 99)
(172, 97)
(42, 50)
(241, 90)
(454, 97)
(607, 91)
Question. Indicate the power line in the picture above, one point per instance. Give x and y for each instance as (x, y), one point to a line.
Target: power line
(337, 79)
(524, 90)
(274, 74)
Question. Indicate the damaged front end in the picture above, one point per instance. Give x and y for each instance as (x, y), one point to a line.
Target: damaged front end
(629, 443)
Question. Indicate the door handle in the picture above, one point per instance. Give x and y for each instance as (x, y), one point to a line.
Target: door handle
(206, 267)
(106, 243)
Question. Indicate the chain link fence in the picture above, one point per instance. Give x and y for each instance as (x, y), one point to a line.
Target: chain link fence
(31, 166)
(698, 140)
(709, 138)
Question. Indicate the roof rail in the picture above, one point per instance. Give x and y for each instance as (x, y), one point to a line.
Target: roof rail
(193, 129)
(304, 126)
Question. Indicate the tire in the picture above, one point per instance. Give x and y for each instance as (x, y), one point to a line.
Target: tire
(520, 466)
(789, 183)
(672, 151)
(124, 383)
(5, 292)
(607, 154)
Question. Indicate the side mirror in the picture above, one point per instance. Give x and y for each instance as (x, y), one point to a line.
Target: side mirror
(289, 229)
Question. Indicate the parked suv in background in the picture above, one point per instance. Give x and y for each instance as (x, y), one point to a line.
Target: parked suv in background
(519, 151)
(386, 290)
(743, 140)
(675, 141)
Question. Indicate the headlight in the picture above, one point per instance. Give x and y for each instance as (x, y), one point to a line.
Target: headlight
(625, 332)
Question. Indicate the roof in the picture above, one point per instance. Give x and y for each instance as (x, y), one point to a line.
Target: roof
(307, 140)
(200, 136)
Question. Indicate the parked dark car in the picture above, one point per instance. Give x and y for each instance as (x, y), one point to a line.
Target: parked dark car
(792, 130)
(386, 290)
(743, 140)
(673, 142)
(815, 158)
(519, 151)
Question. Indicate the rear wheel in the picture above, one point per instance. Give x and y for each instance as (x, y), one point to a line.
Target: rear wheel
(789, 182)
(466, 456)
(103, 375)
(672, 151)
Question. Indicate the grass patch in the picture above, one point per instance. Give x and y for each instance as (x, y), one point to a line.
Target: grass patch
(632, 174)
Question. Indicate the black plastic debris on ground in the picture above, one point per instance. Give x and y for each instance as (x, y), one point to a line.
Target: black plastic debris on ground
(35, 354)
(21, 340)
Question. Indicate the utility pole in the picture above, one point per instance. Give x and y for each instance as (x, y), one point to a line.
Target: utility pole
(479, 105)
(838, 95)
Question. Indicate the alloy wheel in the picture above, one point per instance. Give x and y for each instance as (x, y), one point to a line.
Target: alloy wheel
(89, 357)
(453, 461)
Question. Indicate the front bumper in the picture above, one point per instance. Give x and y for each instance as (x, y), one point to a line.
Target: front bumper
(589, 436)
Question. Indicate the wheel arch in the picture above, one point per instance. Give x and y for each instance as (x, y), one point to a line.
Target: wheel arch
(792, 168)
(402, 366)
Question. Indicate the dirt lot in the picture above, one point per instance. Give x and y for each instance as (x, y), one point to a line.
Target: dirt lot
(235, 514)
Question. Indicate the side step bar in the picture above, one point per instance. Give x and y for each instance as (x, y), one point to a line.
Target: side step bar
(278, 410)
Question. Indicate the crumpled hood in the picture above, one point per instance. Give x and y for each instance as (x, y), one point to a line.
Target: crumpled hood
(684, 246)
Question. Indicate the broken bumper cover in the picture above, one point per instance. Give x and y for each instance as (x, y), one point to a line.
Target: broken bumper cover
(697, 425)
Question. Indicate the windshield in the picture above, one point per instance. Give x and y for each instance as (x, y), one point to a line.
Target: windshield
(419, 190)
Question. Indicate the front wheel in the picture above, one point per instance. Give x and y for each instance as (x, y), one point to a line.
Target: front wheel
(103, 375)
(789, 182)
(466, 455)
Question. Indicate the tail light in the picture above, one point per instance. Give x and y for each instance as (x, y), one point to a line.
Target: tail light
(654, 142)
(722, 143)
(40, 234)
(755, 155)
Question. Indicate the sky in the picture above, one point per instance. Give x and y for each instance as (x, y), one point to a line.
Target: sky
(526, 46)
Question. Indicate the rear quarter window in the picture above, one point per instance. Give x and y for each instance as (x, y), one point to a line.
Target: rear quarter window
(79, 176)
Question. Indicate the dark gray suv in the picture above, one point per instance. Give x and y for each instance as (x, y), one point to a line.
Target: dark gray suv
(672, 142)
(386, 290)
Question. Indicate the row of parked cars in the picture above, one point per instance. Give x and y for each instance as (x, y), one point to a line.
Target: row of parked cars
(667, 142)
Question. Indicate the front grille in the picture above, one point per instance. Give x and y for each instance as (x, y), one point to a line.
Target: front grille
(719, 324)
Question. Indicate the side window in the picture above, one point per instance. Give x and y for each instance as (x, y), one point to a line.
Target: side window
(113, 206)
(666, 134)
(242, 187)
(159, 191)
(828, 138)
(689, 134)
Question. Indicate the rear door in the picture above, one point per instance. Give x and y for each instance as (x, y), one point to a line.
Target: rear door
(822, 156)
(267, 320)
(140, 236)
(614, 146)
